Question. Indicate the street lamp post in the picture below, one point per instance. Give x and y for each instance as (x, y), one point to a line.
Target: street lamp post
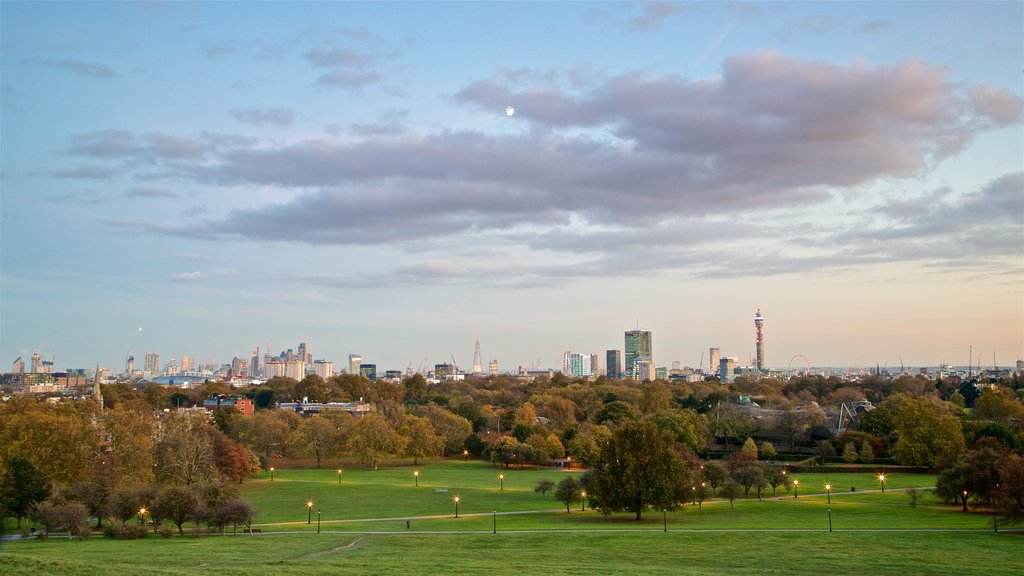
(796, 486)
(271, 473)
(995, 521)
(465, 455)
(501, 481)
(583, 501)
(317, 520)
(142, 516)
(457, 506)
(494, 526)
(664, 520)
(339, 475)
(309, 512)
(828, 493)
(881, 478)
(416, 475)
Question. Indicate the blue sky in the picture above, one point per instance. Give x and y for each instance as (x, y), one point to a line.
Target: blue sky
(224, 175)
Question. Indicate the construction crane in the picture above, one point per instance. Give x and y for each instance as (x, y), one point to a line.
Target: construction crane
(455, 365)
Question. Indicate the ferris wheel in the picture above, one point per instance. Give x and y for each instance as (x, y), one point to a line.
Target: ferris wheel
(806, 363)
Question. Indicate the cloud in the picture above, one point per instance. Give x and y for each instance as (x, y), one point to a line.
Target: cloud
(188, 277)
(876, 25)
(606, 167)
(77, 67)
(264, 116)
(149, 192)
(347, 67)
(86, 173)
(653, 14)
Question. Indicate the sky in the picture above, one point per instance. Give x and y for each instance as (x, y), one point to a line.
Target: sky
(191, 178)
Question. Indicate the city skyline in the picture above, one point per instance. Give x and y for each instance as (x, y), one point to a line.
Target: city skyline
(200, 179)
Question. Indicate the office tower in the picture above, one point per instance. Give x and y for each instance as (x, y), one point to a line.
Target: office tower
(727, 369)
(302, 352)
(354, 361)
(492, 368)
(716, 357)
(759, 332)
(186, 363)
(444, 371)
(151, 363)
(254, 363)
(323, 368)
(595, 365)
(577, 364)
(638, 349)
(613, 363)
(19, 366)
(129, 363)
(369, 371)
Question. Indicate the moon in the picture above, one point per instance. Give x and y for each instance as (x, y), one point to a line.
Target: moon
(140, 328)
(509, 110)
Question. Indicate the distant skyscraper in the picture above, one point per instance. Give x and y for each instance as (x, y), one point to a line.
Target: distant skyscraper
(354, 361)
(323, 368)
(727, 369)
(369, 371)
(477, 360)
(151, 363)
(129, 364)
(716, 356)
(19, 366)
(303, 354)
(759, 332)
(254, 363)
(37, 363)
(492, 368)
(638, 348)
(577, 364)
(186, 363)
(595, 364)
(613, 363)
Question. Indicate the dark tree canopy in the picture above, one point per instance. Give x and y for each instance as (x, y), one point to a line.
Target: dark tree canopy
(639, 469)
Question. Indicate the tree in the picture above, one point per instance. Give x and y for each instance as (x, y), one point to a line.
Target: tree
(953, 484)
(234, 461)
(316, 436)
(421, 441)
(373, 439)
(1010, 493)
(177, 504)
(775, 478)
(415, 388)
(70, 516)
(748, 473)
(924, 429)
(792, 427)
(454, 429)
(997, 404)
(639, 469)
(768, 450)
(22, 485)
(184, 450)
(850, 452)
(687, 426)
(544, 486)
(730, 491)
(655, 397)
(715, 474)
(235, 511)
(131, 446)
(749, 449)
(567, 492)
(867, 454)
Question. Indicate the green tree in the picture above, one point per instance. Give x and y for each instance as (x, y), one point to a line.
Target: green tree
(567, 492)
(453, 428)
(924, 429)
(639, 469)
(316, 436)
(768, 450)
(22, 485)
(715, 474)
(953, 484)
(544, 486)
(421, 441)
(415, 388)
(867, 454)
(184, 450)
(177, 504)
(687, 426)
(1010, 493)
(850, 452)
(373, 440)
(775, 478)
(730, 491)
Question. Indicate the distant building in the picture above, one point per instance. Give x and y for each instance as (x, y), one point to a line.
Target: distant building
(577, 364)
(492, 368)
(613, 363)
(307, 408)
(18, 367)
(443, 371)
(727, 369)
(393, 375)
(369, 371)
(243, 405)
(354, 362)
(759, 338)
(638, 349)
(715, 356)
(323, 368)
(595, 364)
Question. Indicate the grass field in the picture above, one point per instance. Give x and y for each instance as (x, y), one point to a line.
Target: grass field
(363, 530)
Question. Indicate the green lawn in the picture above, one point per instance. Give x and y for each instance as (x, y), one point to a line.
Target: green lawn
(363, 523)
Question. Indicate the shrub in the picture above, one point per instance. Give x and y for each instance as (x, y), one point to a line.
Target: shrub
(166, 531)
(125, 531)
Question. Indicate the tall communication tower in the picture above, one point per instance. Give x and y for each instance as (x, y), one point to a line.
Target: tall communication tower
(478, 367)
(759, 330)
